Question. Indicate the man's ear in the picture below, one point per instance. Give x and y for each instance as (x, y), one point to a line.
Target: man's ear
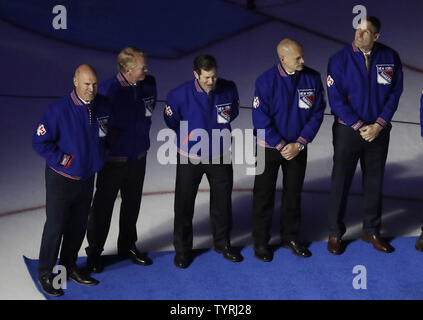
(377, 35)
(196, 75)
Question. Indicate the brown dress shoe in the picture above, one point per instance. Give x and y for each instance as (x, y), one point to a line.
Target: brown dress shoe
(378, 243)
(334, 245)
(419, 243)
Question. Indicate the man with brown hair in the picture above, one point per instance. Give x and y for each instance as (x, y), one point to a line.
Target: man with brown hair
(365, 82)
(132, 94)
(204, 104)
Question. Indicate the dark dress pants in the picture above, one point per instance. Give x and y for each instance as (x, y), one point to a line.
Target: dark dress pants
(264, 196)
(349, 147)
(188, 178)
(128, 177)
(67, 207)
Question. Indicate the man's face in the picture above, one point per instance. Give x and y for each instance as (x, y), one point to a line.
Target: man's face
(207, 79)
(86, 85)
(293, 59)
(138, 72)
(365, 35)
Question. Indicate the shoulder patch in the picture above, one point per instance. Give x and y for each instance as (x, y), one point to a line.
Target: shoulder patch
(256, 102)
(169, 111)
(41, 130)
(330, 80)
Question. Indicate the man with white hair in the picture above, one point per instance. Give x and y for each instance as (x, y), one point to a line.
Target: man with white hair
(132, 94)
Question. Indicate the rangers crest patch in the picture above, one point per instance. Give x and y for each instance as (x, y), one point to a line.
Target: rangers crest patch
(223, 112)
(103, 124)
(41, 130)
(384, 73)
(256, 102)
(305, 98)
(149, 106)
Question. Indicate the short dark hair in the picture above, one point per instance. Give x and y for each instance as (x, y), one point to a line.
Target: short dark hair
(204, 62)
(375, 22)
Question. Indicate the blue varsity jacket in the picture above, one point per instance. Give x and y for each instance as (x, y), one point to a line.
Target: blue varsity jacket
(358, 96)
(288, 107)
(132, 107)
(202, 112)
(421, 114)
(71, 136)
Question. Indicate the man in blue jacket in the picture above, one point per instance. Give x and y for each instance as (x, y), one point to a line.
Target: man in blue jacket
(419, 242)
(194, 110)
(365, 82)
(132, 94)
(288, 105)
(71, 136)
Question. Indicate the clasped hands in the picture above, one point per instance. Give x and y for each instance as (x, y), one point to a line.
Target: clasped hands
(290, 151)
(370, 132)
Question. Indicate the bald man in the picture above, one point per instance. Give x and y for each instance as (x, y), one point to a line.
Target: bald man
(288, 105)
(71, 137)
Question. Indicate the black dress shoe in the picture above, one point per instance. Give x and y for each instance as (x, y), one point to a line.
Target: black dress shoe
(297, 248)
(139, 258)
(46, 284)
(229, 253)
(263, 253)
(82, 278)
(182, 260)
(136, 256)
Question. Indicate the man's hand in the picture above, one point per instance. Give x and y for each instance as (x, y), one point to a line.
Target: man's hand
(290, 151)
(370, 132)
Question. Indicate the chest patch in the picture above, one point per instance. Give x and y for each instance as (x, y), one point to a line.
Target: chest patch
(223, 112)
(149, 106)
(384, 73)
(305, 98)
(103, 125)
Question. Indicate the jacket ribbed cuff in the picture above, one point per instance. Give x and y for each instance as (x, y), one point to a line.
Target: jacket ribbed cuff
(381, 122)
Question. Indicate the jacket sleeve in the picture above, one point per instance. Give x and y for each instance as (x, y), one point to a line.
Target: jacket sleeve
(316, 118)
(154, 92)
(262, 118)
(392, 100)
(235, 104)
(421, 115)
(338, 98)
(44, 140)
(171, 112)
